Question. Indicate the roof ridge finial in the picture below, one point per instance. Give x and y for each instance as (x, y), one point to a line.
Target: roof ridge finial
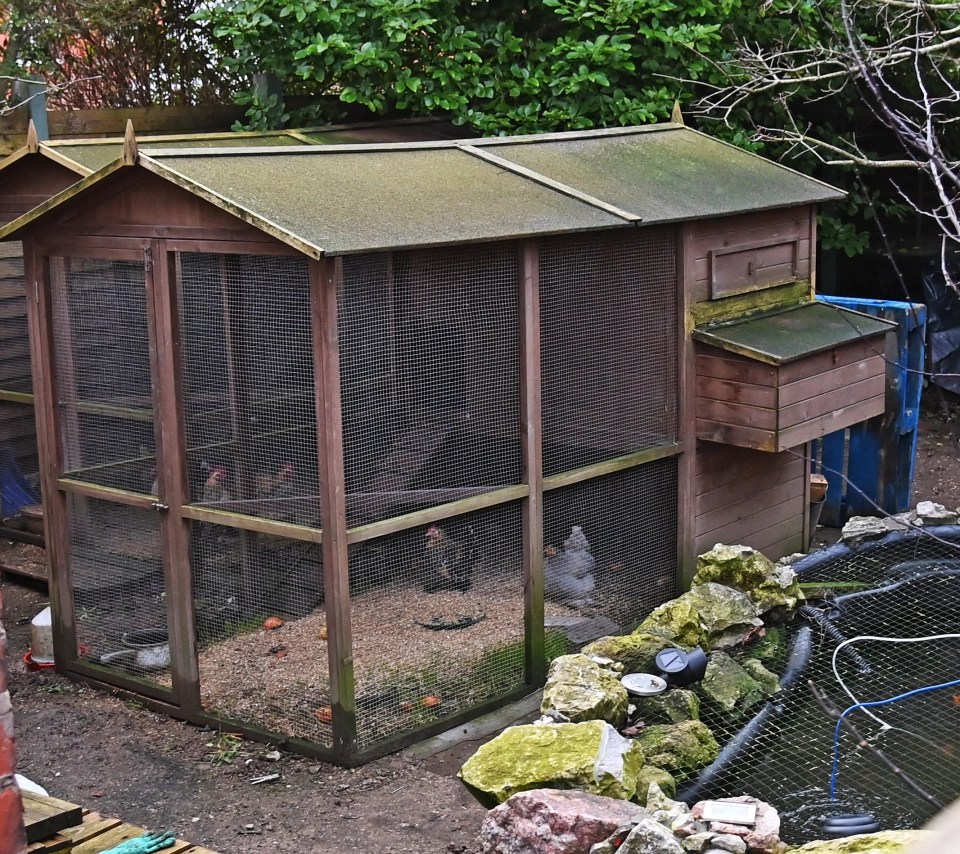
(33, 141)
(129, 145)
(676, 117)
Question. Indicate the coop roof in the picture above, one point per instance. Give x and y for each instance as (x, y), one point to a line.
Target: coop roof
(86, 156)
(340, 199)
(784, 336)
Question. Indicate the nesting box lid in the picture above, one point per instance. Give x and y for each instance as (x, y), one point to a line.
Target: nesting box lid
(785, 336)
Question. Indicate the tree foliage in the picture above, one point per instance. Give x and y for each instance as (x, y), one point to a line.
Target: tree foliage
(113, 53)
(497, 66)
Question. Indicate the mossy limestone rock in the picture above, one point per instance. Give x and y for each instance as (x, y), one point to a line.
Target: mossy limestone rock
(591, 756)
(582, 690)
(884, 842)
(672, 707)
(662, 780)
(637, 652)
(681, 748)
(769, 681)
(678, 619)
(767, 584)
(726, 614)
(727, 685)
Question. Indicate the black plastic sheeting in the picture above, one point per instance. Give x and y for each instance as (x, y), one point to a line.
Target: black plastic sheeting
(943, 325)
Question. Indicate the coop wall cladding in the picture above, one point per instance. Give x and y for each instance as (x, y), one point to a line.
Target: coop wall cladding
(346, 473)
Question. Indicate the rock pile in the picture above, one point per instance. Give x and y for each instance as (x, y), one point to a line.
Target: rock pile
(549, 822)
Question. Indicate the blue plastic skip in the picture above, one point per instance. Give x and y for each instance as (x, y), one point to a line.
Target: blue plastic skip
(871, 464)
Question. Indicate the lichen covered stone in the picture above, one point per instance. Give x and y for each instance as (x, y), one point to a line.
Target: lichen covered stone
(884, 842)
(727, 614)
(681, 748)
(767, 584)
(581, 690)
(728, 686)
(675, 705)
(637, 652)
(661, 779)
(678, 619)
(591, 756)
(769, 681)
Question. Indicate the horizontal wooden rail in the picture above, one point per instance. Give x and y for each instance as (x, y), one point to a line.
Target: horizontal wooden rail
(259, 525)
(648, 455)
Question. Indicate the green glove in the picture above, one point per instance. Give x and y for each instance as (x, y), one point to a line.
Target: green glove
(146, 844)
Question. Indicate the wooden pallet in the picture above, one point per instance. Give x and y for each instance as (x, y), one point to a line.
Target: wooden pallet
(92, 834)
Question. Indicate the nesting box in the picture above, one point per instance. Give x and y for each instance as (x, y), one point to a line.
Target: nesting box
(373, 432)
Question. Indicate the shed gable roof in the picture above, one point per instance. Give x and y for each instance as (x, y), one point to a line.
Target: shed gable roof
(333, 200)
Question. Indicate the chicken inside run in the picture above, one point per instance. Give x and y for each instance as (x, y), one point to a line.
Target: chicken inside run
(437, 618)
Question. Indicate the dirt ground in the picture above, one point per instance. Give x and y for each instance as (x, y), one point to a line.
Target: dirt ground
(122, 760)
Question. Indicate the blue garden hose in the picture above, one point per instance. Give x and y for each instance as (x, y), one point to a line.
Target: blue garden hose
(836, 732)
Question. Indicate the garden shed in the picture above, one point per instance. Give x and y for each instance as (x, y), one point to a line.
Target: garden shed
(341, 443)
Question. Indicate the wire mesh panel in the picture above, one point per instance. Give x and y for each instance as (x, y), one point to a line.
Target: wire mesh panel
(611, 550)
(118, 587)
(429, 374)
(609, 345)
(261, 630)
(103, 371)
(907, 587)
(437, 616)
(248, 385)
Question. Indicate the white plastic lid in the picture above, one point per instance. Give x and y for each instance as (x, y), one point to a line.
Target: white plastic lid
(643, 684)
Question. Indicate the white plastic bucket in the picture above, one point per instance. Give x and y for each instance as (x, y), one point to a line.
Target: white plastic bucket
(41, 638)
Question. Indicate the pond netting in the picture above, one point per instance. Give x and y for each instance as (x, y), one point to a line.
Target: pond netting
(857, 641)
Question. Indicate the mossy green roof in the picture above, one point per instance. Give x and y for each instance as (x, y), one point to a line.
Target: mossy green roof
(669, 175)
(340, 199)
(785, 336)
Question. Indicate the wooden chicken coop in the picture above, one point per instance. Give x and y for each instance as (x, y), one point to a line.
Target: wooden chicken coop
(340, 444)
(41, 169)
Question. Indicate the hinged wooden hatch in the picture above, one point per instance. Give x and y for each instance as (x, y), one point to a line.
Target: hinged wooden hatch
(781, 379)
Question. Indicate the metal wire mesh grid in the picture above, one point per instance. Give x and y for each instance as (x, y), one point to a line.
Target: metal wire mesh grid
(248, 385)
(788, 761)
(629, 520)
(429, 378)
(261, 630)
(609, 345)
(438, 621)
(103, 371)
(118, 587)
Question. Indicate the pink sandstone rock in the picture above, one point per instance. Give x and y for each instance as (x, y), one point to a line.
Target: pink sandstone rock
(762, 838)
(550, 821)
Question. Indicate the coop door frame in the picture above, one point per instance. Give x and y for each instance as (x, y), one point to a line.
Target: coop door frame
(42, 261)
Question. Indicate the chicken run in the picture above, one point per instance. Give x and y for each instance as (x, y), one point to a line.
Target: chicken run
(344, 474)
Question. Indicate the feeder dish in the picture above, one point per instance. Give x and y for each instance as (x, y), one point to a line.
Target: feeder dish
(643, 684)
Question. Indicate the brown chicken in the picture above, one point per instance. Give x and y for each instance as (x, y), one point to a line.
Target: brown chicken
(214, 490)
(450, 562)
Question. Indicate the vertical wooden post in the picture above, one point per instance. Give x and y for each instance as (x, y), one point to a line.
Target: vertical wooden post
(172, 476)
(55, 514)
(326, 279)
(531, 425)
(239, 391)
(686, 414)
